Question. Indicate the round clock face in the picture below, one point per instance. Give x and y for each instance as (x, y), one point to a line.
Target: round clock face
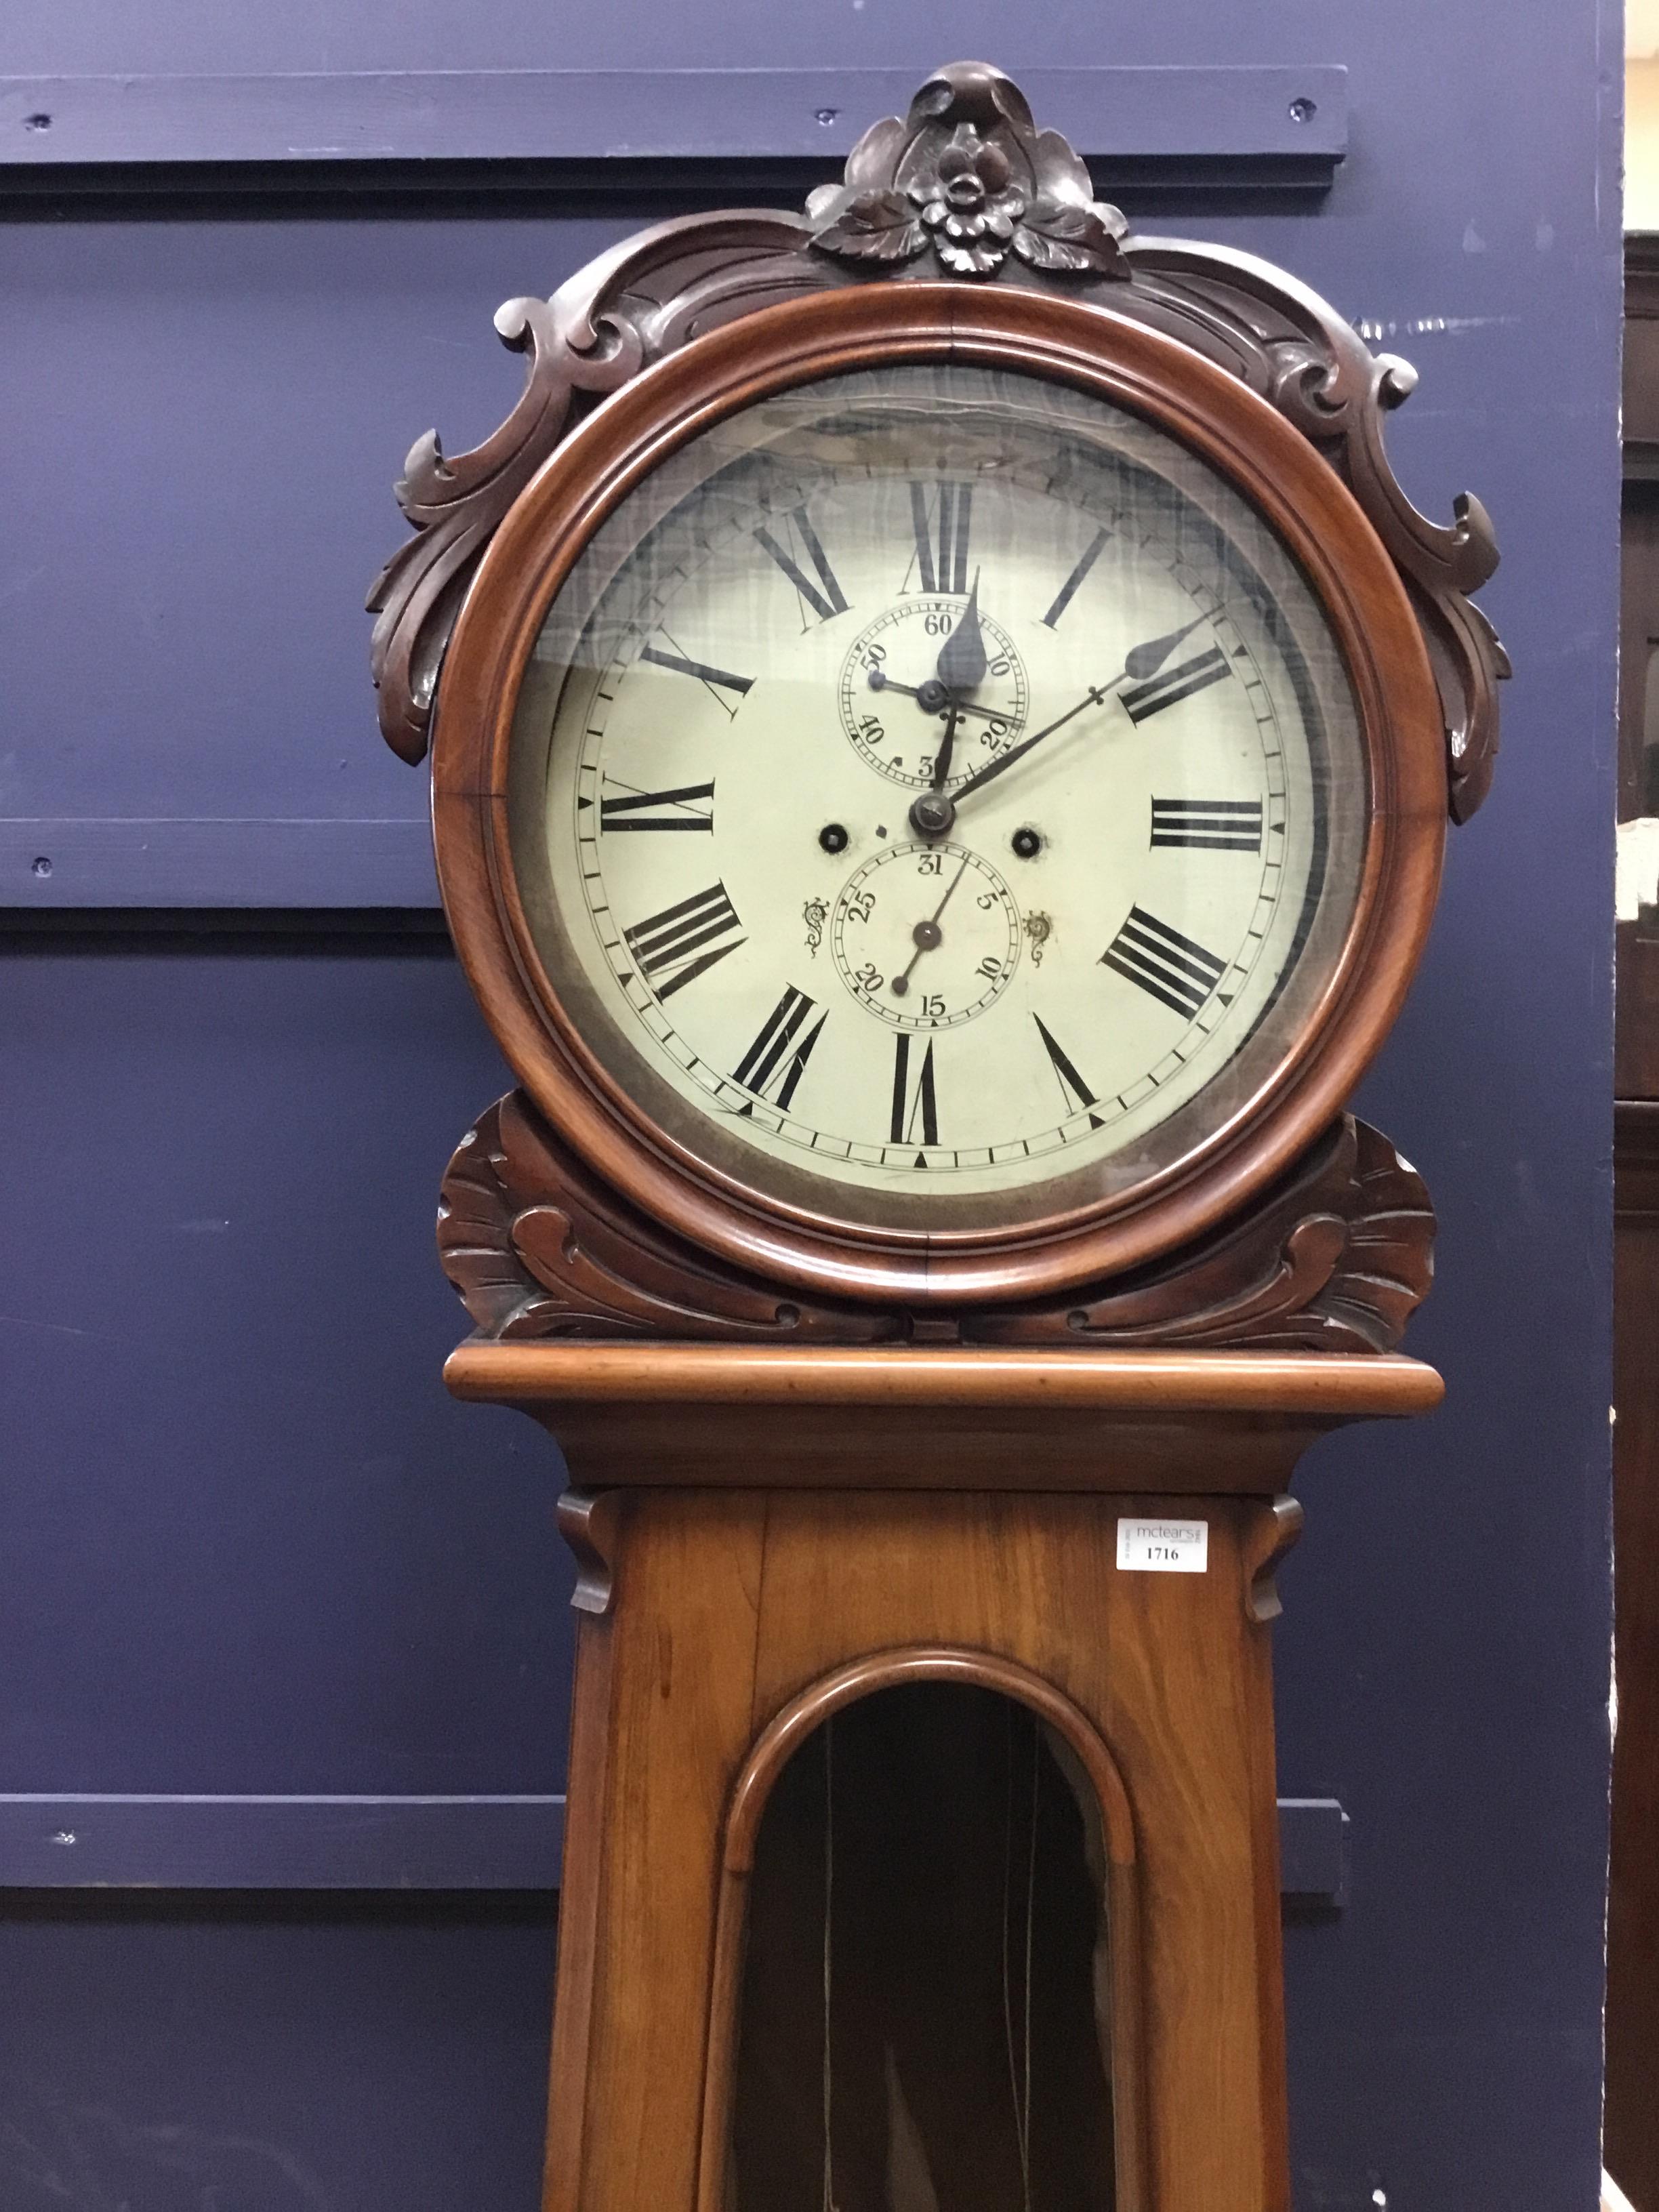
(937, 799)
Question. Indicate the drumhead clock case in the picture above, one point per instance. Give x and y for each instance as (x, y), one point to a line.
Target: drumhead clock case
(943, 728)
(1174, 717)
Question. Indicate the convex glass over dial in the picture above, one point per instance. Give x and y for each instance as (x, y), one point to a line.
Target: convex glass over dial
(936, 797)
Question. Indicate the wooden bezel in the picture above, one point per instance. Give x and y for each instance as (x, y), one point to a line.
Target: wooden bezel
(1135, 367)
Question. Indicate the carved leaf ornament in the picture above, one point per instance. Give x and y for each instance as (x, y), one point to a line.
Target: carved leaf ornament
(969, 177)
(1335, 1259)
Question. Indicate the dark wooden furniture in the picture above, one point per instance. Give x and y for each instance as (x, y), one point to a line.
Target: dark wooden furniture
(1632, 2029)
(821, 1459)
(1632, 2033)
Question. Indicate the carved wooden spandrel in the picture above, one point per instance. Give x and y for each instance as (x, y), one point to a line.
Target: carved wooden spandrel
(537, 1247)
(1335, 1259)
(1290, 346)
(648, 296)
(965, 189)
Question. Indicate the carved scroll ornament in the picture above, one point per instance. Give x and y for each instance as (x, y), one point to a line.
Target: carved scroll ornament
(966, 187)
(1334, 1260)
(537, 1247)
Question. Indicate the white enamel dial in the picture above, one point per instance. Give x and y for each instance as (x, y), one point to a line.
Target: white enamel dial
(943, 789)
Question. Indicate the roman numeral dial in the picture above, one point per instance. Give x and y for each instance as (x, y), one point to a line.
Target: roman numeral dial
(941, 519)
(825, 598)
(1072, 1088)
(1068, 591)
(937, 796)
(728, 691)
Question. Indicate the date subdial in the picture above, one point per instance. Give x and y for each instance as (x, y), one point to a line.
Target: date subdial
(893, 705)
(925, 936)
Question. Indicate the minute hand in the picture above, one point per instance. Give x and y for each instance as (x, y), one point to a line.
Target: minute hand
(1143, 661)
(1092, 697)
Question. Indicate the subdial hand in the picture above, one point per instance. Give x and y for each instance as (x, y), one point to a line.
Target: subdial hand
(934, 696)
(942, 763)
(927, 936)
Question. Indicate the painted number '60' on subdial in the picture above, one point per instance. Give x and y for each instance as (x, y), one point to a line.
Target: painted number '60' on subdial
(925, 936)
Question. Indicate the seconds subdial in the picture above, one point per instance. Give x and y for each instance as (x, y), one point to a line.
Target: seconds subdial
(925, 936)
(894, 707)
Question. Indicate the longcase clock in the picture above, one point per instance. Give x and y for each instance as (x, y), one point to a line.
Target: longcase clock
(942, 726)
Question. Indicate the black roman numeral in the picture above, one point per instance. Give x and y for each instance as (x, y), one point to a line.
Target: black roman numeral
(1164, 962)
(951, 518)
(765, 1059)
(715, 679)
(824, 602)
(913, 1104)
(1068, 589)
(1171, 684)
(1218, 825)
(1074, 1091)
(672, 944)
(659, 809)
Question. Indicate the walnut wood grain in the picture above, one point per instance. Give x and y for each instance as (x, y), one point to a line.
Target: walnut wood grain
(711, 1417)
(740, 1614)
(929, 1378)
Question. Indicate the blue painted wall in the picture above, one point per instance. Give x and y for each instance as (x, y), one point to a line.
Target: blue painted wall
(245, 1543)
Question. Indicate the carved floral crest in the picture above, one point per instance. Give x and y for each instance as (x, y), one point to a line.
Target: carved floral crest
(968, 173)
